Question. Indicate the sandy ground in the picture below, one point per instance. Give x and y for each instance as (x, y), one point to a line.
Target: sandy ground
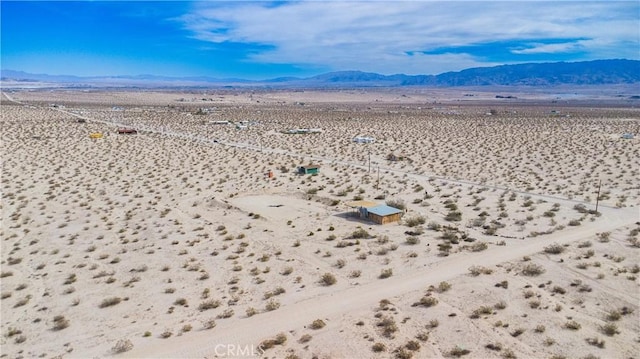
(174, 242)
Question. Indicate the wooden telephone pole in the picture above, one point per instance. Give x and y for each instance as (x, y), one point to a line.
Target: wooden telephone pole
(598, 195)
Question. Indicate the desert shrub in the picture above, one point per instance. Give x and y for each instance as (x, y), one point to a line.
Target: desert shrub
(251, 311)
(60, 322)
(415, 221)
(396, 203)
(317, 324)
(549, 341)
(109, 302)
(534, 304)
(209, 323)
(272, 305)
(208, 304)
(610, 329)
(477, 270)
(360, 233)
(412, 345)
(328, 279)
(614, 315)
(453, 216)
(305, 338)
(517, 332)
(12, 331)
(626, 310)
(443, 287)
(483, 310)
(121, 346)
(412, 240)
(458, 352)
(227, 313)
(500, 305)
(378, 347)
(585, 244)
(287, 270)
(402, 353)
(581, 208)
(434, 226)
(478, 246)
(540, 328)
(426, 301)
(355, 274)
(558, 289)
(180, 301)
(532, 269)
(386, 273)
(572, 324)
(554, 248)
(387, 325)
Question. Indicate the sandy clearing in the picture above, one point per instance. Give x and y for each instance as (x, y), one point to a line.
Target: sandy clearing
(336, 304)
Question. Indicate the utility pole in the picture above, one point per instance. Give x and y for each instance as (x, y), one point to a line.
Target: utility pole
(378, 182)
(369, 160)
(598, 195)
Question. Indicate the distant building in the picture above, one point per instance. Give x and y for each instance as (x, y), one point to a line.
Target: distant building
(627, 136)
(309, 170)
(363, 139)
(218, 122)
(303, 131)
(127, 131)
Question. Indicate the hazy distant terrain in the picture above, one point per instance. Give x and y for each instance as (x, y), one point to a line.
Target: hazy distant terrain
(600, 72)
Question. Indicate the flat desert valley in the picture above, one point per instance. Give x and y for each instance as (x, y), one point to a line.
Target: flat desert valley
(198, 237)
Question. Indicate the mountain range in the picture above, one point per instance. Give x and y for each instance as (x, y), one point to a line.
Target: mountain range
(597, 72)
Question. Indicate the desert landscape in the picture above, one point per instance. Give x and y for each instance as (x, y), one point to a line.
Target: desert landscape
(197, 237)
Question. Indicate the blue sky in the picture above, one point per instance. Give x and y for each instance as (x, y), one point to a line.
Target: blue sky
(260, 39)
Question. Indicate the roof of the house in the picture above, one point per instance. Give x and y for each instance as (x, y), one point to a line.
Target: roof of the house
(383, 210)
(310, 167)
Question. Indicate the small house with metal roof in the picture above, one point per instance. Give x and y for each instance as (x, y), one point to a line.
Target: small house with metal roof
(378, 213)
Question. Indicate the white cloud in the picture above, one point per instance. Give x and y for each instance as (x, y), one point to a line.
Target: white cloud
(540, 48)
(375, 36)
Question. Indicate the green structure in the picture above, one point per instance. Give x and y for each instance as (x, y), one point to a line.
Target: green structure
(308, 170)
